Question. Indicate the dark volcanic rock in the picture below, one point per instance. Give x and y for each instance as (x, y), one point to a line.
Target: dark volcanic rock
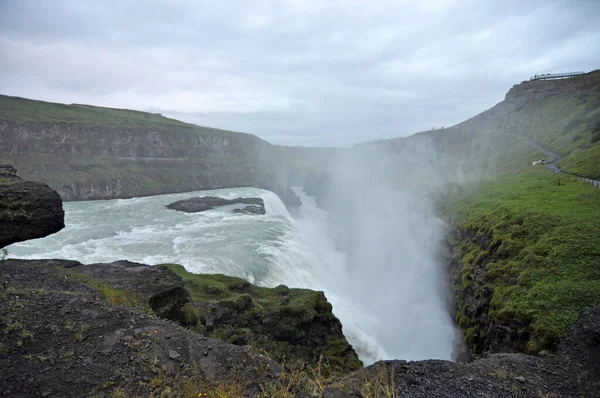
(62, 337)
(28, 210)
(574, 371)
(198, 204)
(159, 287)
(253, 209)
(499, 375)
(581, 346)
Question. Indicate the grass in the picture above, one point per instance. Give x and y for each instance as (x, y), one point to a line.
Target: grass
(26, 110)
(23, 110)
(585, 163)
(381, 384)
(298, 377)
(546, 231)
(502, 373)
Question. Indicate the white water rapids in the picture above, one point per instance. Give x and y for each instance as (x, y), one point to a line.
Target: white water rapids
(390, 304)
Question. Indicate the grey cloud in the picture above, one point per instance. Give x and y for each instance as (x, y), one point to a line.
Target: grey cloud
(303, 72)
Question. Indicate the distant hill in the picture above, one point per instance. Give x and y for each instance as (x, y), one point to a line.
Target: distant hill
(561, 115)
(88, 152)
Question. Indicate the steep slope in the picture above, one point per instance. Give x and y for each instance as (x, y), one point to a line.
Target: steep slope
(87, 152)
(523, 240)
(28, 210)
(561, 115)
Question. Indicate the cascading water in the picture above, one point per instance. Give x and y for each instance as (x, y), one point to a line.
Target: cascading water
(386, 296)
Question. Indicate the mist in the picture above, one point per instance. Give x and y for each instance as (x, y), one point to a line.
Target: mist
(380, 217)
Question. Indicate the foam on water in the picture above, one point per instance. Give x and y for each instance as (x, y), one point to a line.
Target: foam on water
(267, 250)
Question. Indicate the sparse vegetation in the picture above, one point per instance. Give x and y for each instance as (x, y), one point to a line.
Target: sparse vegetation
(502, 373)
(381, 384)
(115, 296)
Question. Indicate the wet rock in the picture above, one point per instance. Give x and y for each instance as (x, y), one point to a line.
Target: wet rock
(28, 210)
(252, 209)
(199, 204)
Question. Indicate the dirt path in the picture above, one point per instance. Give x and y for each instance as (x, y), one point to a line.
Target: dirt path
(557, 158)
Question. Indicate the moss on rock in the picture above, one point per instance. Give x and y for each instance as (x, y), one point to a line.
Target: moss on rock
(291, 325)
(525, 260)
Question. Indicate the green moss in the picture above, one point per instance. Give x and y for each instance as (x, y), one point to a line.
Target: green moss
(546, 266)
(111, 294)
(285, 324)
(463, 321)
(190, 315)
(471, 333)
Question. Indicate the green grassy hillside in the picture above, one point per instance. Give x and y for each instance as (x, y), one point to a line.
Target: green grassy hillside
(585, 162)
(26, 110)
(562, 116)
(23, 110)
(541, 265)
(527, 243)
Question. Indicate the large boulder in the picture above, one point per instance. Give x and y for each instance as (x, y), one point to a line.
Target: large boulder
(28, 210)
(203, 203)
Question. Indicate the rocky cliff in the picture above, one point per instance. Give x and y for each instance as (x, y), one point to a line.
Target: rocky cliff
(28, 210)
(88, 152)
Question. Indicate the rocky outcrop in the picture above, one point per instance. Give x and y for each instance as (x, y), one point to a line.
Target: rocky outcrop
(68, 332)
(472, 294)
(157, 287)
(28, 210)
(581, 346)
(572, 372)
(251, 209)
(199, 204)
(89, 153)
(291, 325)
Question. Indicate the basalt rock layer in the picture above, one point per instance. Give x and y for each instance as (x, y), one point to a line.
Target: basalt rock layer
(28, 209)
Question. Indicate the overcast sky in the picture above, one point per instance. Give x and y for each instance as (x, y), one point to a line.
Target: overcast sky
(294, 72)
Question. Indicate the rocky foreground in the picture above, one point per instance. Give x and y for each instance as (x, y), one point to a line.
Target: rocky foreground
(130, 330)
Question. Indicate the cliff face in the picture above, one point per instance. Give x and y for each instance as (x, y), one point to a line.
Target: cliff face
(69, 138)
(97, 153)
(28, 210)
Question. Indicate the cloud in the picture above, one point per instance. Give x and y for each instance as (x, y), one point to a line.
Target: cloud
(298, 72)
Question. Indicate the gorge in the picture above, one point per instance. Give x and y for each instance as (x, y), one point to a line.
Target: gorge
(414, 241)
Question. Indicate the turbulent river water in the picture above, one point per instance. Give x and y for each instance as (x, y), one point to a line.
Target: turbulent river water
(268, 250)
